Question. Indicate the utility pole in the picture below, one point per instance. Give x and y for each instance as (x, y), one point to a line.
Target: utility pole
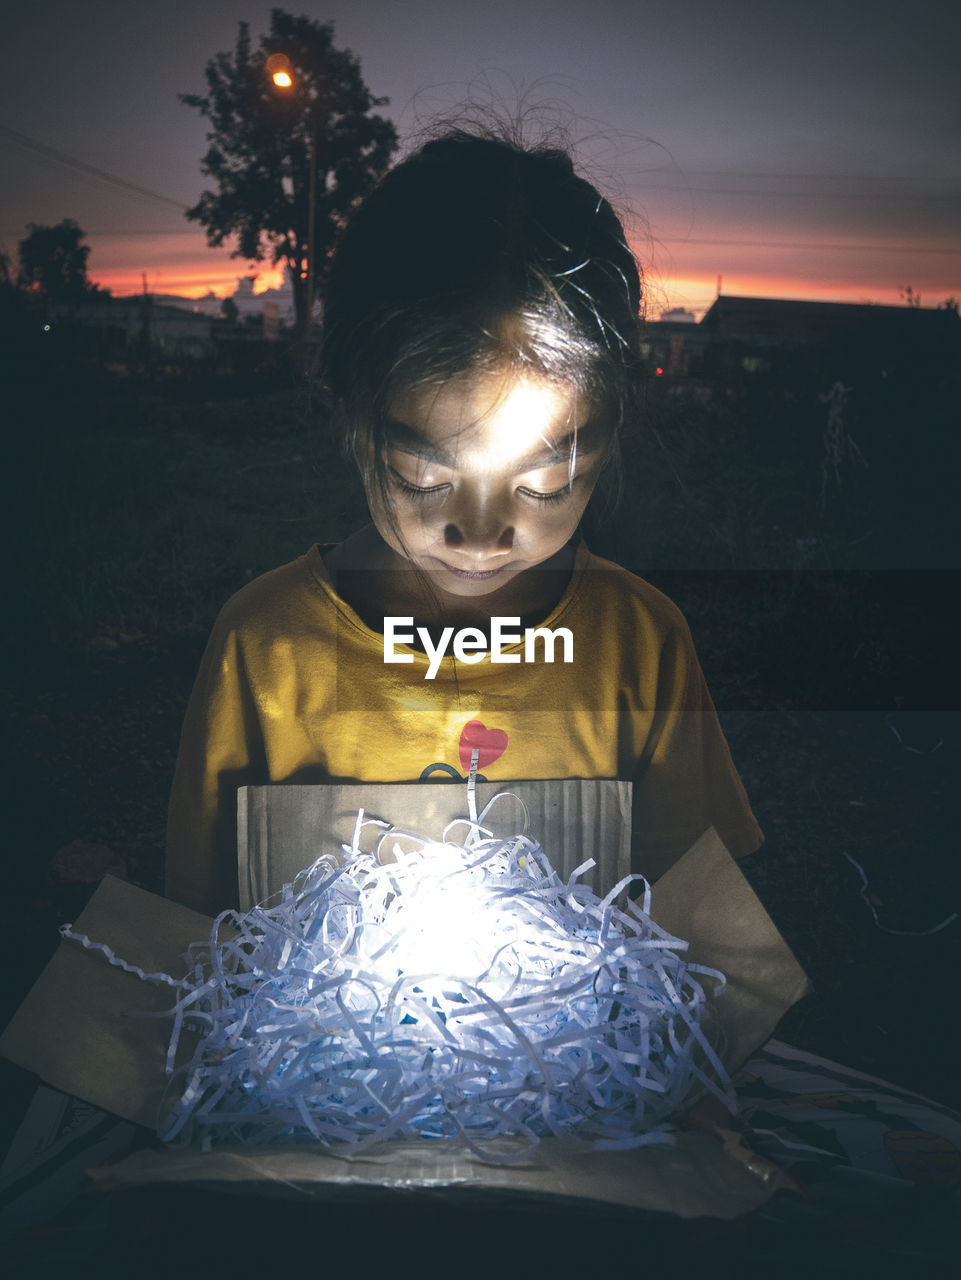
(144, 320)
(284, 77)
(311, 218)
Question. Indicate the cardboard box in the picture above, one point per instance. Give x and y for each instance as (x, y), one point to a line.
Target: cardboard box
(283, 828)
(81, 1028)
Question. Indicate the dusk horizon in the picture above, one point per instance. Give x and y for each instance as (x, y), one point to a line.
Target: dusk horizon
(789, 158)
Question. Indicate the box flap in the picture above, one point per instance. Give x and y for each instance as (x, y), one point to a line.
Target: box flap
(81, 1027)
(705, 899)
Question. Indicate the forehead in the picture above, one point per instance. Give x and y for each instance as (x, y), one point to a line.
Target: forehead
(497, 418)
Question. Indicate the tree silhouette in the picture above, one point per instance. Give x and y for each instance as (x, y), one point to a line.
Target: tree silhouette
(263, 140)
(53, 262)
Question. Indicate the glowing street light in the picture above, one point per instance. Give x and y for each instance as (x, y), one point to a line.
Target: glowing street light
(278, 68)
(281, 73)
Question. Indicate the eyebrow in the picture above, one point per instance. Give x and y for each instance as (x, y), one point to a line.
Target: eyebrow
(407, 439)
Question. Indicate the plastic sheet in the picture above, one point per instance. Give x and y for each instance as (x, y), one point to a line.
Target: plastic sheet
(439, 990)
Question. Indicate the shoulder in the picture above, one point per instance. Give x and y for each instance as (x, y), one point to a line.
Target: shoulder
(280, 600)
(614, 591)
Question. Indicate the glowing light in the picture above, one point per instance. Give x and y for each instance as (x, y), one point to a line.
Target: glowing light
(519, 421)
(492, 418)
(446, 926)
(279, 69)
(455, 991)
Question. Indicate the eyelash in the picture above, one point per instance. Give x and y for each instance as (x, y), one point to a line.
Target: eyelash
(558, 495)
(415, 491)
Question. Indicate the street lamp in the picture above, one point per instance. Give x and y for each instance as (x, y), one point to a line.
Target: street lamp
(278, 68)
(281, 73)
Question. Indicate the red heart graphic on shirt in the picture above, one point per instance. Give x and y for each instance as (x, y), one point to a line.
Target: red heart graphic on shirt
(488, 743)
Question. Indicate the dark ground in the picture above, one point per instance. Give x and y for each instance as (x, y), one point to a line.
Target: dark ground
(827, 639)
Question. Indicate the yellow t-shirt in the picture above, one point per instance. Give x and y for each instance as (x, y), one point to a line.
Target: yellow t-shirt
(293, 687)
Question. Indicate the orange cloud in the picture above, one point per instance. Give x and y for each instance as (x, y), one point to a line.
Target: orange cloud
(679, 272)
(177, 262)
(686, 274)
(189, 280)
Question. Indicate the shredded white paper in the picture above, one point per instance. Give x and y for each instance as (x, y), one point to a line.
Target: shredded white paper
(458, 990)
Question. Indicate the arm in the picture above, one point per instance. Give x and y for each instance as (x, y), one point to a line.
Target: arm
(685, 780)
(221, 749)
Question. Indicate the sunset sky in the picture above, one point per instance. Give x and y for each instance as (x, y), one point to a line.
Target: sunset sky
(795, 150)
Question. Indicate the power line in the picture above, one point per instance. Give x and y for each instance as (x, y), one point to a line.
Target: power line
(72, 162)
(810, 245)
(684, 188)
(801, 195)
(680, 172)
(92, 181)
(115, 231)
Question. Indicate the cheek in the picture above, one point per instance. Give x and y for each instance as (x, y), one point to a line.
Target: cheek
(566, 516)
(403, 526)
(554, 525)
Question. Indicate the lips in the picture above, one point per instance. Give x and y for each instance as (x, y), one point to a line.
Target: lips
(474, 575)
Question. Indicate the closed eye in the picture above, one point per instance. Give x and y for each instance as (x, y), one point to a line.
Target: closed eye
(415, 490)
(556, 495)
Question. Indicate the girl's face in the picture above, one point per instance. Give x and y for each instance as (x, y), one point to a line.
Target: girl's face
(487, 477)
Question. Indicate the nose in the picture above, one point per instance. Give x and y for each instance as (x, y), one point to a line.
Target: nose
(479, 528)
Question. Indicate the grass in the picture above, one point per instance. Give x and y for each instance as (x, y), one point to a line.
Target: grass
(138, 508)
(139, 524)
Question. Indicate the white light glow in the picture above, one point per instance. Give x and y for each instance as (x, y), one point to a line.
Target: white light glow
(523, 418)
(455, 991)
(448, 926)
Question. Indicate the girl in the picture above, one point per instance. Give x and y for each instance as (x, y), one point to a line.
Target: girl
(481, 356)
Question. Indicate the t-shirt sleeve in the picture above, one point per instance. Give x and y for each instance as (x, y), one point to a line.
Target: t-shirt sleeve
(221, 749)
(685, 780)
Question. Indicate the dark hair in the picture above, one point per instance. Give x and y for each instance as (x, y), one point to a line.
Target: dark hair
(476, 253)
